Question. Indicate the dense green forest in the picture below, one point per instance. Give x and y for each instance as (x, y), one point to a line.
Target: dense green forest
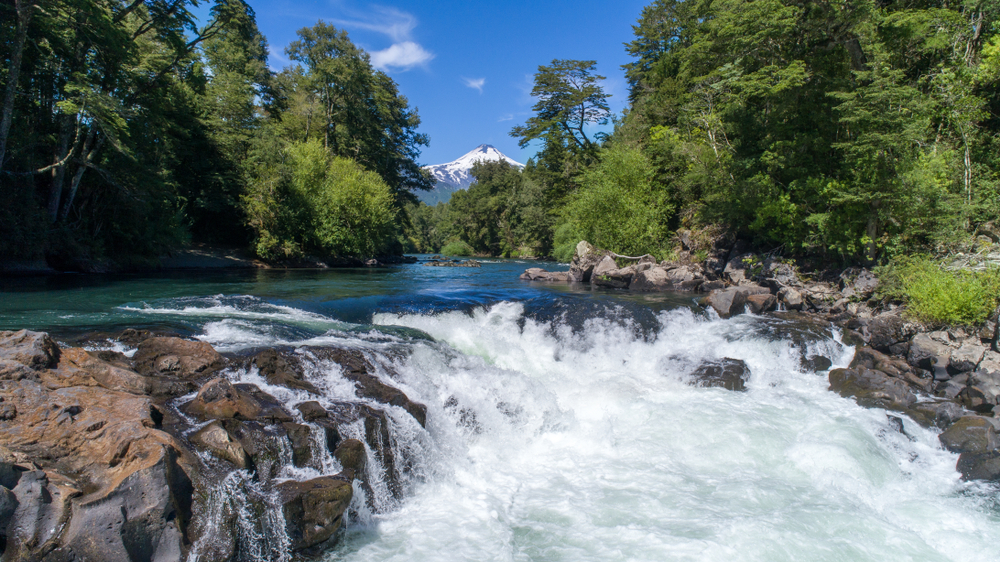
(129, 129)
(855, 130)
(851, 130)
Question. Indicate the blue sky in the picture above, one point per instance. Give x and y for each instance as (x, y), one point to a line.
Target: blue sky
(468, 66)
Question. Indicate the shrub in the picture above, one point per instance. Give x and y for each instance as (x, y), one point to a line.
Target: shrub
(940, 296)
(564, 243)
(457, 248)
(618, 207)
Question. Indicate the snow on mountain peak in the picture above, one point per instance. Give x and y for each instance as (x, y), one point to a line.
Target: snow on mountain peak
(457, 174)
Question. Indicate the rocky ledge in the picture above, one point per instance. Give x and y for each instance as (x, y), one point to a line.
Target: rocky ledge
(944, 378)
(115, 458)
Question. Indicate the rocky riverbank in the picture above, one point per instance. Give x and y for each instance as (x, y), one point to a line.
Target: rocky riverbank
(153, 455)
(944, 378)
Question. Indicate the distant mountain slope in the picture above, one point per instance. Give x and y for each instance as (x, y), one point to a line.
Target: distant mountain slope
(458, 174)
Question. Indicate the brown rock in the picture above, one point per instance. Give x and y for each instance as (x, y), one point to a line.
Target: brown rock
(34, 350)
(300, 438)
(220, 399)
(220, 443)
(872, 388)
(176, 357)
(732, 301)
(762, 303)
(613, 279)
(282, 370)
(351, 454)
(311, 410)
(314, 509)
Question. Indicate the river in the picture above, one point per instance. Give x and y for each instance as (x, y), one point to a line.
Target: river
(561, 423)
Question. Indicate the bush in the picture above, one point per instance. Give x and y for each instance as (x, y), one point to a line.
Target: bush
(940, 296)
(564, 243)
(457, 248)
(618, 207)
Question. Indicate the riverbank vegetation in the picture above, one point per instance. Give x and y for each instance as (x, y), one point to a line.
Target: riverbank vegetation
(851, 132)
(129, 128)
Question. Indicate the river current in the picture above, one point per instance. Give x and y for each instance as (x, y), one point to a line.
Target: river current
(561, 423)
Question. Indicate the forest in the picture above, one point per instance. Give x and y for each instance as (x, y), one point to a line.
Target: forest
(851, 130)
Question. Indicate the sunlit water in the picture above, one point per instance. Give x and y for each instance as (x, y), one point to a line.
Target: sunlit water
(561, 425)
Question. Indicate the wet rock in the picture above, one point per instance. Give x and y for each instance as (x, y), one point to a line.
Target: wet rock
(299, 436)
(709, 286)
(8, 506)
(938, 414)
(732, 301)
(357, 369)
(816, 363)
(981, 392)
(871, 388)
(979, 466)
(930, 354)
(970, 434)
(311, 410)
(314, 509)
(791, 298)
(727, 373)
(607, 264)
(220, 443)
(539, 274)
(351, 455)
(762, 303)
(34, 350)
(176, 357)
(266, 446)
(220, 399)
(868, 358)
(282, 370)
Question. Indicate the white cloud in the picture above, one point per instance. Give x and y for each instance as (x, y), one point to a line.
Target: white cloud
(390, 22)
(475, 83)
(401, 56)
(277, 55)
(508, 117)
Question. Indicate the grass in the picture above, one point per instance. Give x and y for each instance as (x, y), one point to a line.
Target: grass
(940, 296)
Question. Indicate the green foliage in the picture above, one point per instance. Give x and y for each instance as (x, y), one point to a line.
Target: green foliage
(313, 202)
(940, 296)
(565, 241)
(618, 206)
(457, 248)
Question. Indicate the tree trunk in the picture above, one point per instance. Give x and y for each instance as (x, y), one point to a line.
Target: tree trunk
(88, 157)
(24, 11)
(59, 172)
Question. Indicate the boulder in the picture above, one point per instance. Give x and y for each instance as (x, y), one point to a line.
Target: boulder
(929, 353)
(872, 389)
(966, 358)
(586, 259)
(613, 279)
(299, 436)
(980, 466)
(670, 278)
(713, 285)
(886, 331)
(282, 370)
(109, 486)
(311, 410)
(868, 358)
(351, 455)
(727, 373)
(34, 350)
(790, 298)
(606, 265)
(732, 301)
(970, 434)
(176, 357)
(314, 509)
(539, 274)
(220, 399)
(760, 304)
(939, 414)
(778, 274)
(222, 444)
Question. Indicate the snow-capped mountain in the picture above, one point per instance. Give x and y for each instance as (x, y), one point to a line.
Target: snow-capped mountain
(458, 174)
